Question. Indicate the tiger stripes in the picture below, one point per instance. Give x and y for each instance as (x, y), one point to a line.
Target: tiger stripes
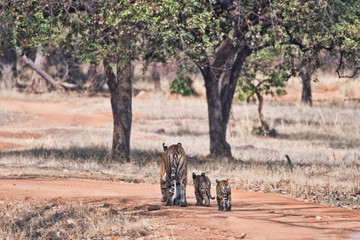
(223, 195)
(202, 187)
(173, 171)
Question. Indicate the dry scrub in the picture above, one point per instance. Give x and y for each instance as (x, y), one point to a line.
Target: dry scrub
(24, 220)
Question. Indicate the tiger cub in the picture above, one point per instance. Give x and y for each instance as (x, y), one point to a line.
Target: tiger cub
(223, 192)
(202, 187)
(173, 170)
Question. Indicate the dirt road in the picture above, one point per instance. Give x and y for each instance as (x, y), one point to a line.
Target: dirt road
(258, 215)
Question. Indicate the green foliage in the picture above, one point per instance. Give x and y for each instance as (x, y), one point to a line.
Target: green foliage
(322, 25)
(90, 30)
(187, 28)
(182, 85)
(23, 24)
(263, 73)
(163, 29)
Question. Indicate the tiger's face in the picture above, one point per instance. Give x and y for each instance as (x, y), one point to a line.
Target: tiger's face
(223, 193)
(202, 186)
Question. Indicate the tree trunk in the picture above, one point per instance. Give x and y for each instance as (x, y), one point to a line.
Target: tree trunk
(228, 87)
(8, 72)
(264, 125)
(305, 74)
(7, 79)
(217, 129)
(220, 83)
(120, 86)
(156, 77)
(260, 107)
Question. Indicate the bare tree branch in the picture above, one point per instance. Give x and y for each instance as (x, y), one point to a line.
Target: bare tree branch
(45, 75)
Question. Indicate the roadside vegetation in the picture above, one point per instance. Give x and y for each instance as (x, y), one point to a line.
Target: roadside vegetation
(28, 220)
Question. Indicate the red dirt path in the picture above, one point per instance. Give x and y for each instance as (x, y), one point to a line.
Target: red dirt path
(259, 215)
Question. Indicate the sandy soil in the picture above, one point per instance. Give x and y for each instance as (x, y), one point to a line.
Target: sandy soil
(22, 119)
(257, 215)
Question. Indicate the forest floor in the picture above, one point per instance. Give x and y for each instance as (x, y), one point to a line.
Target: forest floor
(29, 126)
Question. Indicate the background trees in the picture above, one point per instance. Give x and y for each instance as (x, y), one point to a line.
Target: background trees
(95, 32)
(220, 37)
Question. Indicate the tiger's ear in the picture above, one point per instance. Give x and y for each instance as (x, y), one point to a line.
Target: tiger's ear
(217, 181)
(164, 146)
(203, 174)
(194, 175)
(179, 144)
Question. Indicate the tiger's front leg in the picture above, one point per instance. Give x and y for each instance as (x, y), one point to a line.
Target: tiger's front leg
(163, 190)
(229, 202)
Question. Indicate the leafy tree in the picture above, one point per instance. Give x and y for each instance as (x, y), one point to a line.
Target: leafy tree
(347, 32)
(219, 36)
(195, 30)
(335, 32)
(96, 32)
(262, 75)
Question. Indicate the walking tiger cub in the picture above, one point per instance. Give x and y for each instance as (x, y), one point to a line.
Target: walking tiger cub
(202, 187)
(223, 193)
(173, 170)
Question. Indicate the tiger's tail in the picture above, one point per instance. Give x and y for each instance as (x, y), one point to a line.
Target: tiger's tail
(173, 175)
(209, 195)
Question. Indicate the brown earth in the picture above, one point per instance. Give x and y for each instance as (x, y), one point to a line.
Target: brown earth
(41, 114)
(257, 215)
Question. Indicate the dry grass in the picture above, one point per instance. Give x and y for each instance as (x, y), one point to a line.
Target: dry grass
(70, 221)
(322, 142)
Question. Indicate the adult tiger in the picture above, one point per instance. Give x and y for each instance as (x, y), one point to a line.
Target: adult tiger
(173, 170)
